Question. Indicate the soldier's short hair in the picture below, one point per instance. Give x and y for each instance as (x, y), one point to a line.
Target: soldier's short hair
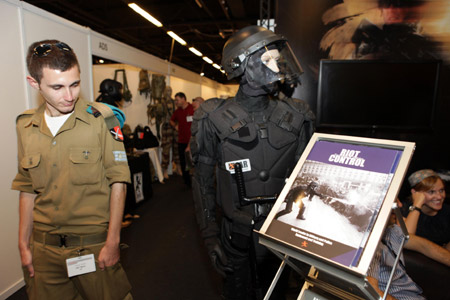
(52, 54)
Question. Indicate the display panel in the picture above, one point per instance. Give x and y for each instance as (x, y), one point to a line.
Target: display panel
(377, 94)
(333, 203)
(336, 202)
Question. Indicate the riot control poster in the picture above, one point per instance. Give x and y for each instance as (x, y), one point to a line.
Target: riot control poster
(333, 200)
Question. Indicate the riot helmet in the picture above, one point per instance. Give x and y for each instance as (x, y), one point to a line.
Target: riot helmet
(110, 92)
(262, 56)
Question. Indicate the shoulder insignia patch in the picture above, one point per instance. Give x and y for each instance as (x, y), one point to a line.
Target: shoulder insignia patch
(117, 133)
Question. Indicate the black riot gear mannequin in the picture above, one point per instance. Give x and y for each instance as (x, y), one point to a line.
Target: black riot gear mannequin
(265, 137)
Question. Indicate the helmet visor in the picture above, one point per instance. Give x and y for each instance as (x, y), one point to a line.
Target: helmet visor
(271, 64)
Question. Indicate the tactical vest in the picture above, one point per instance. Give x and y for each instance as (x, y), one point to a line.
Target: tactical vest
(264, 142)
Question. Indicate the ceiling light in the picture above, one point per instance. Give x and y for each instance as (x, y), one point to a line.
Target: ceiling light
(223, 71)
(199, 3)
(145, 14)
(176, 38)
(207, 60)
(202, 74)
(216, 66)
(195, 51)
(101, 61)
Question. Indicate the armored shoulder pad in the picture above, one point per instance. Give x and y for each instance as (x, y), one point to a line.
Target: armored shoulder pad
(207, 107)
(301, 107)
(212, 104)
(28, 112)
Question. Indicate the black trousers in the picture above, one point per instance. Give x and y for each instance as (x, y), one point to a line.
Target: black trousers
(254, 268)
(186, 175)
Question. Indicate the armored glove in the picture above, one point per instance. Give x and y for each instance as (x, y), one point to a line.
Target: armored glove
(217, 256)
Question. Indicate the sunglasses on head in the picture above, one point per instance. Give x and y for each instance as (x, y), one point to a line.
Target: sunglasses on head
(45, 49)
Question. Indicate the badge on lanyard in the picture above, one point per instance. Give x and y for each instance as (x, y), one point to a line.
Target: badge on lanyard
(80, 265)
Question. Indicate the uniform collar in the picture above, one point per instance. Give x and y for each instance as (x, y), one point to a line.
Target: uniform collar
(37, 116)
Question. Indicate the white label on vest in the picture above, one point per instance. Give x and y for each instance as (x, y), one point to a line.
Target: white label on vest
(245, 163)
(80, 265)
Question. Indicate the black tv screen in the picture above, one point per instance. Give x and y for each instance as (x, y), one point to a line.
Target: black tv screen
(377, 94)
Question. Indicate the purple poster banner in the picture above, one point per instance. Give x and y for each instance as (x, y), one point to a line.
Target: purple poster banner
(333, 203)
(359, 157)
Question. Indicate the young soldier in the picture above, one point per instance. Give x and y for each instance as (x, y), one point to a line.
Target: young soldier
(71, 176)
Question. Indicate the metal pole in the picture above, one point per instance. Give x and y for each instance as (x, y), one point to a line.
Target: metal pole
(276, 278)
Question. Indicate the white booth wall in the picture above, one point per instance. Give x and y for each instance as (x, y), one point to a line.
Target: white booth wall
(20, 25)
(13, 99)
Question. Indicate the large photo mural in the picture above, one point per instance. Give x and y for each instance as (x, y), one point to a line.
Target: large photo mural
(387, 29)
(377, 30)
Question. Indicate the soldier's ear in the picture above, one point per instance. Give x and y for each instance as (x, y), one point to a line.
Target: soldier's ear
(33, 82)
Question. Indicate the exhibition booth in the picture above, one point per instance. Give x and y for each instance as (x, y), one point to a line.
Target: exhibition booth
(22, 24)
(385, 132)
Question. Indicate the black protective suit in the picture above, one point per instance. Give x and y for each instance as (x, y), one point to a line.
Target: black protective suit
(271, 135)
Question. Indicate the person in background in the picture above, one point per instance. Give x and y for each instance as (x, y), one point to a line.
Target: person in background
(111, 93)
(426, 247)
(169, 136)
(426, 213)
(181, 120)
(72, 175)
(196, 102)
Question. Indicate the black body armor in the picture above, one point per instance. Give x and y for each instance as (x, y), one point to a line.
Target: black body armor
(267, 143)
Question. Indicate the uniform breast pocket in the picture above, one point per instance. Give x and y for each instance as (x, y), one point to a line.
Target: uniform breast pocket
(85, 167)
(32, 163)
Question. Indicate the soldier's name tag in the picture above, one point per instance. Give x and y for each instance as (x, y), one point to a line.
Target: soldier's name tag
(245, 164)
(80, 265)
(189, 119)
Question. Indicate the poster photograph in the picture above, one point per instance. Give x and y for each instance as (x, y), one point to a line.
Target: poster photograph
(334, 197)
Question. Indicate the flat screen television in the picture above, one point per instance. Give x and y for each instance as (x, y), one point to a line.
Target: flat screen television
(372, 94)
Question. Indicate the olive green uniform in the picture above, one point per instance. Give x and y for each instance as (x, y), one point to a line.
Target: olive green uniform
(71, 174)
